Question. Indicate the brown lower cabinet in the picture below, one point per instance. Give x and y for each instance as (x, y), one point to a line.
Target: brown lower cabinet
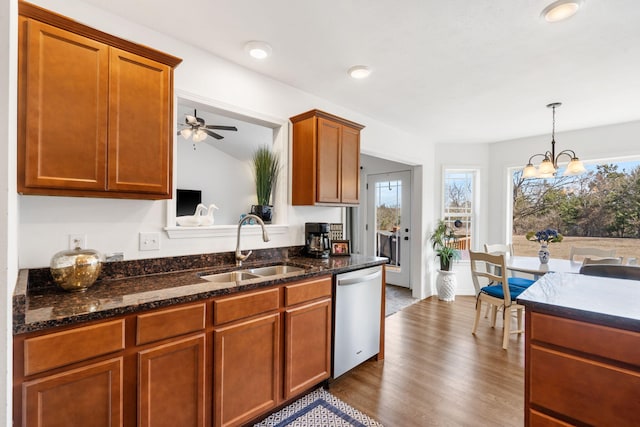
(220, 362)
(580, 373)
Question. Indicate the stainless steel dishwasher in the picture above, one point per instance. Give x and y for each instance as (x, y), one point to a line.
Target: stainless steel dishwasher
(357, 318)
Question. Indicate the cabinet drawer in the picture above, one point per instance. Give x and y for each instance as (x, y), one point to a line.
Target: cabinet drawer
(64, 348)
(244, 305)
(585, 390)
(538, 419)
(169, 323)
(307, 291)
(598, 340)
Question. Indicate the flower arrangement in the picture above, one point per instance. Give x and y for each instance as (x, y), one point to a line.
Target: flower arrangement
(544, 236)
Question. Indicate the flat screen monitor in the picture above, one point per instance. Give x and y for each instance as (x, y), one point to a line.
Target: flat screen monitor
(187, 201)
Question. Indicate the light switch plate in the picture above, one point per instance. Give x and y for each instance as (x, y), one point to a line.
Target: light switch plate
(149, 241)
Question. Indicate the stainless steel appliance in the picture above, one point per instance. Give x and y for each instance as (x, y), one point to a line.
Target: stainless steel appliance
(357, 318)
(317, 239)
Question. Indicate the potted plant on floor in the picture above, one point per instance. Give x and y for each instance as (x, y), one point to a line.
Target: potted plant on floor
(443, 241)
(266, 166)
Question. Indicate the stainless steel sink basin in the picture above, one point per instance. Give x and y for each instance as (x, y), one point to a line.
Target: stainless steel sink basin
(265, 273)
(231, 276)
(275, 270)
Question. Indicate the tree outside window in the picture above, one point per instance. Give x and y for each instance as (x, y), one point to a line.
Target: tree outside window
(600, 208)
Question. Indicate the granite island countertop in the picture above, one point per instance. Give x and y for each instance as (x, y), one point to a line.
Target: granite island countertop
(603, 300)
(133, 286)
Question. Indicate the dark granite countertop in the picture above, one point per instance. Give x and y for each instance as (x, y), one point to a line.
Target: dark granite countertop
(132, 286)
(602, 300)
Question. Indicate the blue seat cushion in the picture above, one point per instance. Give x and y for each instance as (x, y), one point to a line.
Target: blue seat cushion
(520, 282)
(497, 292)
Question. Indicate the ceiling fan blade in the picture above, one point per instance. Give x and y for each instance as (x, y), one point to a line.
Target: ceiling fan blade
(200, 121)
(190, 120)
(213, 134)
(222, 127)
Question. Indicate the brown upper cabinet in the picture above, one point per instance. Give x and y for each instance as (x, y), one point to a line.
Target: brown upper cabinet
(326, 160)
(94, 111)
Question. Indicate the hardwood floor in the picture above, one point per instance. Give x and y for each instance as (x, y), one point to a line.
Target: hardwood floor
(436, 373)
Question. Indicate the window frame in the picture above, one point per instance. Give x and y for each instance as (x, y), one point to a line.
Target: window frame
(475, 173)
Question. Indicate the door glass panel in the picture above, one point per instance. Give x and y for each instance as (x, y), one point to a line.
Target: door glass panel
(388, 202)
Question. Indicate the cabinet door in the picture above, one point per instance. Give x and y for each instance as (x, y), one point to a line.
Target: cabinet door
(139, 125)
(246, 369)
(328, 172)
(64, 117)
(87, 396)
(171, 384)
(350, 165)
(307, 346)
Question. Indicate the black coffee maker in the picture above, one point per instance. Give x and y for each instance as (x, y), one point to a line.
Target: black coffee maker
(317, 239)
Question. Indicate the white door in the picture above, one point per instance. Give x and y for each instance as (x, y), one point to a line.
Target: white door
(389, 223)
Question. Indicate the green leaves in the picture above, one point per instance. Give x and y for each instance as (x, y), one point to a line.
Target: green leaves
(266, 166)
(442, 239)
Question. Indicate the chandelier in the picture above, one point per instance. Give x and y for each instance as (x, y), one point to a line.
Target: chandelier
(549, 164)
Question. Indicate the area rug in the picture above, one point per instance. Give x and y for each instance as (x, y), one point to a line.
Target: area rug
(397, 299)
(317, 409)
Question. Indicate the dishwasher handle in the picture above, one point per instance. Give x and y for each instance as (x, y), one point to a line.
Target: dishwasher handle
(359, 279)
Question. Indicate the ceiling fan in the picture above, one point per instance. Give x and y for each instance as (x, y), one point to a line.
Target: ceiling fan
(196, 128)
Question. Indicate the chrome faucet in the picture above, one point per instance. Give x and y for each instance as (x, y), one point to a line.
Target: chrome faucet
(265, 237)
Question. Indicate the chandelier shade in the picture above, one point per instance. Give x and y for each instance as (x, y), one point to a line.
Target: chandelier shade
(549, 164)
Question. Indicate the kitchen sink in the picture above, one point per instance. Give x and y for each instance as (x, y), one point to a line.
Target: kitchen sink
(275, 270)
(254, 274)
(231, 276)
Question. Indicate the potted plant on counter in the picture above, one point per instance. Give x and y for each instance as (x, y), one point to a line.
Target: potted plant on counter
(266, 166)
(443, 241)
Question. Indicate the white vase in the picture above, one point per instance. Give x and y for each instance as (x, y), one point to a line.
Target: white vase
(543, 254)
(446, 285)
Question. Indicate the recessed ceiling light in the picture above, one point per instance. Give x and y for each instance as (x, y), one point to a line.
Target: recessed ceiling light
(258, 49)
(359, 71)
(561, 10)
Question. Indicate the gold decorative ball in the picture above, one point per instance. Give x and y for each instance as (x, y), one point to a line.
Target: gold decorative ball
(76, 270)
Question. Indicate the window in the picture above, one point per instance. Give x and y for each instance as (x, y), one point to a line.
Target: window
(459, 205)
(595, 209)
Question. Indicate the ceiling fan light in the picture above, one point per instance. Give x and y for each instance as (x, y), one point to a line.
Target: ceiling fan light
(199, 135)
(561, 10)
(186, 133)
(575, 167)
(257, 49)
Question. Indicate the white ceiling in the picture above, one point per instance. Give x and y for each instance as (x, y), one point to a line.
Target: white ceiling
(448, 70)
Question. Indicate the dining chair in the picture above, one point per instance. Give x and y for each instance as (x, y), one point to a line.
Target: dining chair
(582, 252)
(493, 288)
(606, 260)
(609, 270)
(507, 249)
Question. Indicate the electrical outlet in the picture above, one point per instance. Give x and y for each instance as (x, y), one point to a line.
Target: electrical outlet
(77, 241)
(149, 241)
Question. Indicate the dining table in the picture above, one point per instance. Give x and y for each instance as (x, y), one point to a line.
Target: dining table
(532, 265)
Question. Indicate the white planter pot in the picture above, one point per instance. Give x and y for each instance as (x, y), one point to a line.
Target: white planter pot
(446, 285)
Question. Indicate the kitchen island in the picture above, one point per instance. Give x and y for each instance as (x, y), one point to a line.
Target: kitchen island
(155, 343)
(582, 351)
